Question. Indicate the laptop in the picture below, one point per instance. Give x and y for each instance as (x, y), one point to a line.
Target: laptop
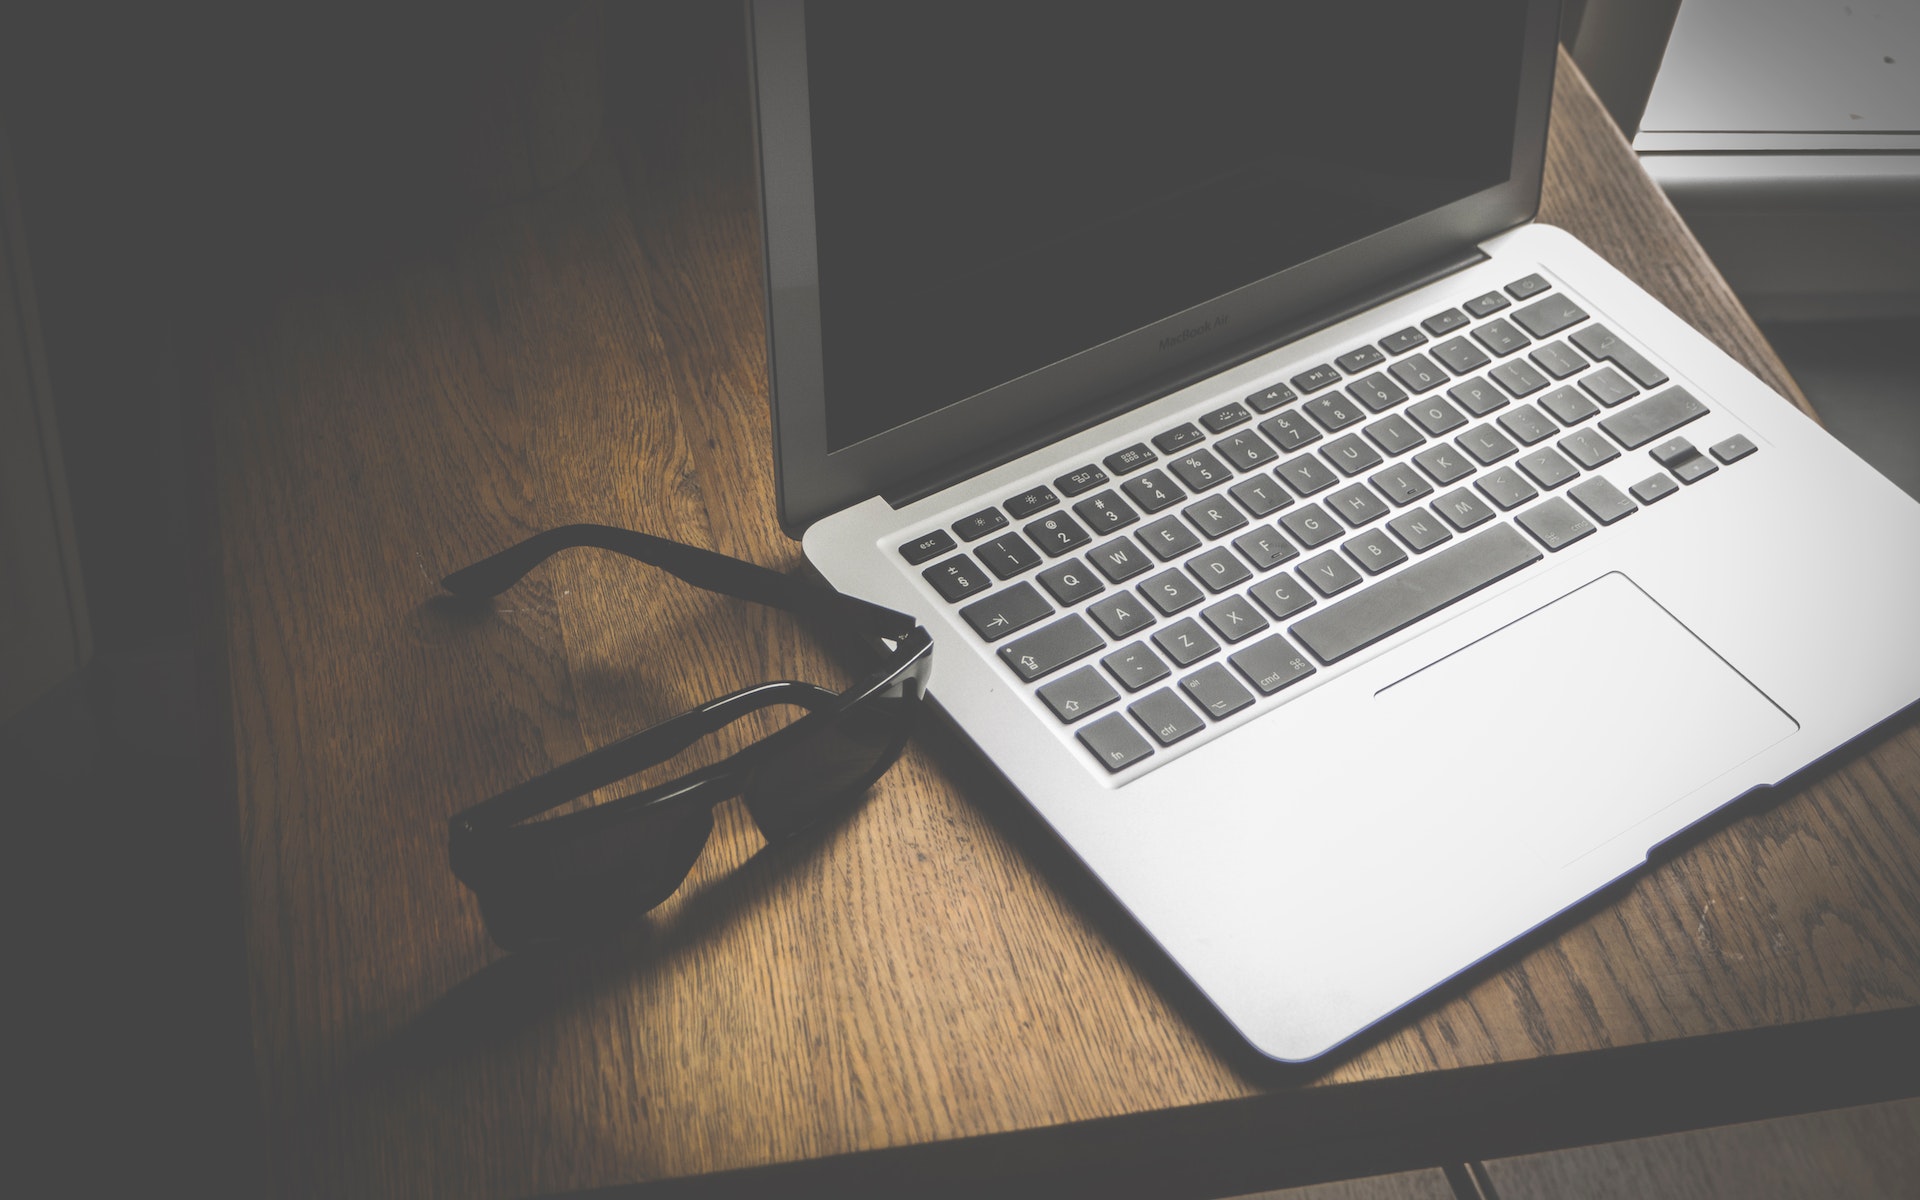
(1352, 572)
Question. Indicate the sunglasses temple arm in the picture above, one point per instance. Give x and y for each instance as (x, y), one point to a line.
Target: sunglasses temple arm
(634, 753)
(701, 568)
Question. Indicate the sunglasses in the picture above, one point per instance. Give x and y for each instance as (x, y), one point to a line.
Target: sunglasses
(588, 873)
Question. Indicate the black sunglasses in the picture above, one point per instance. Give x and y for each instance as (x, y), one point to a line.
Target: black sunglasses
(588, 873)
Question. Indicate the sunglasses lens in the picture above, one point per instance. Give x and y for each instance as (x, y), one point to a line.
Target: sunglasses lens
(574, 885)
(827, 761)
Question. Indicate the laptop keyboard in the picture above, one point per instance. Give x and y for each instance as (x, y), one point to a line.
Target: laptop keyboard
(1181, 581)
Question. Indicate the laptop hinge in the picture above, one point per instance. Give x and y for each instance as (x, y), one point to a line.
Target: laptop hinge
(923, 485)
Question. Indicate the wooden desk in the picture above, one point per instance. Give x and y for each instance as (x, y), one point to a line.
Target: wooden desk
(928, 997)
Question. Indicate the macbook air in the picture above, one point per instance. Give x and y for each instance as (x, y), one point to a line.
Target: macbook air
(1352, 572)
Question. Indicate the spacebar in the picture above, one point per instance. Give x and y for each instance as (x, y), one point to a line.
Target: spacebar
(1421, 590)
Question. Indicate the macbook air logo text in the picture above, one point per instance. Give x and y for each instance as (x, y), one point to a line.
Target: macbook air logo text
(1194, 331)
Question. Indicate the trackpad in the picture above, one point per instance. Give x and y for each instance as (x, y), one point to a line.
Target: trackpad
(1583, 718)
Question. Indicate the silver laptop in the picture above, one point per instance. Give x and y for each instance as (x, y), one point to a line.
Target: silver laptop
(1353, 573)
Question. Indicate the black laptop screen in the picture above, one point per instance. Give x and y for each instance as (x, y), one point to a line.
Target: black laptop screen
(999, 186)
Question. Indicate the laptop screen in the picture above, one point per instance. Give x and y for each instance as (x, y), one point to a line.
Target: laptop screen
(1000, 186)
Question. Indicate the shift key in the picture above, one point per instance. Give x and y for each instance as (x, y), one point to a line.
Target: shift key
(1048, 649)
(1654, 417)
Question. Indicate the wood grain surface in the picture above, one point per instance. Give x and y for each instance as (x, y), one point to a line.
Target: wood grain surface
(930, 969)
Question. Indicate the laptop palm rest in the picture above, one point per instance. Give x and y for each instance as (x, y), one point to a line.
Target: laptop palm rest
(1600, 709)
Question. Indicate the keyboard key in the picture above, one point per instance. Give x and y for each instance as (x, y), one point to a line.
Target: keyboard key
(1007, 555)
(1418, 373)
(1265, 548)
(1462, 509)
(1106, 511)
(1355, 361)
(1734, 448)
(1335, 411)
(1487, 444)
(1694, 469)
(1655, 417)
(1135, 666)
(1218, 569)
(1311, 526)
(1401, 484)
(1270, 398)
(1260, 495)
(980, 524)
(1246, 450)
(1070, 582)
(1420, 530)
(1501, 338)
(1478, 396)
(1505, 488)
(1271, 664)
(1234, 618)
(1029, 502)
(1358, 504)
(956, 577)
(1078, 694)
(1654, 488)
(1008, 610)
(1307, 474)
(1282, 595)
(1603, 501)
(1171, 591)
(1289, 431)
(1178, 438)
(1374, 551)
(1050, 647)
(1329, 573)
(1225, 417)
(1153, 491)
(1599, 344)
(1185, 642)
(1481, 306)
(1131, 459)
(1121, 615)
(1057, 534)
(1377, 392)
(1393, 435)
(1442, 323)
(1460, 355)
(1120, 560)
(1546, 468)
(1609, 387)
(1083, 480)
(1168, 538)
(1672, 452)
(1436, 416)
(1555, 523)
(1115, 742)
(1527, 425)
(1200, 470)
(1569, 406)
(1531, 285)
(1351, 455)
(1216, 692)
(1166, 717)
(931, 546)
(1315, 378)
(1518, 377)
(1558, 360)
(1422, 589)
(1444, 463)
(1405, 340)
(1544, 318)
(1214, 516)
(1588, 448)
